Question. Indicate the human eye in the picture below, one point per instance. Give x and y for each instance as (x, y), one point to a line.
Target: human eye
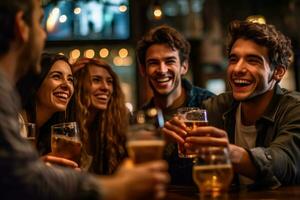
(71, 79)
(96, 79)
(110, 81)
(232, 59)
(56, 76)
(254, 60)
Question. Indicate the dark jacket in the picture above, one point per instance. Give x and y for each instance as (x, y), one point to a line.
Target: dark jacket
(180, 169)
(277, 152)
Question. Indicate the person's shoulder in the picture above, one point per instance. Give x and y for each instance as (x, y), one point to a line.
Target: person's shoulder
(201, 92)
(222, 100)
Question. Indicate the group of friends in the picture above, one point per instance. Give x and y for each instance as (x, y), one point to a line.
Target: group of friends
(257, 120)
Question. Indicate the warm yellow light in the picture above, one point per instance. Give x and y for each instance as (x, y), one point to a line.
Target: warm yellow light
(118, 61)
(103, 53)
(123, 53)
(257, 19)
(77, 11)
(90, 53)
(122, 8)
(61, 53)
(75, 53)
(52, 19)
(157, 12)
(127, 61)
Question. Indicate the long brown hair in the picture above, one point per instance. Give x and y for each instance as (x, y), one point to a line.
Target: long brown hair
(106, 133)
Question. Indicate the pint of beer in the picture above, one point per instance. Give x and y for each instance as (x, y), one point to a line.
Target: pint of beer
(212, 171)
(65, 141)
(144, 140)
(192, 117)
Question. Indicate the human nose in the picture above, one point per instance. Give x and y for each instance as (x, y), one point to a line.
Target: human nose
(162, 67)
(239, 67)
(104, 85)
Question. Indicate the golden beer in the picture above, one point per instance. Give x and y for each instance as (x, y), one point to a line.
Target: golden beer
(213, 179)
(141, 151)
(66, 147)
(191, 125)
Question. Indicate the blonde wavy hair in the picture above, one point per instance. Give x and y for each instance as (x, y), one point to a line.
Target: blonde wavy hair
(106, 134)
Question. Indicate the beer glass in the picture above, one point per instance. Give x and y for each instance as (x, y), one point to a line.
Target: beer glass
(192, 117)
(212, 172)
(65, 141)
(144, 139)
(28, 131)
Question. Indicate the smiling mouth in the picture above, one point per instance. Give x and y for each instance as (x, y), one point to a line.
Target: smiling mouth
(102, 97)
(61, 95)
(241, 82)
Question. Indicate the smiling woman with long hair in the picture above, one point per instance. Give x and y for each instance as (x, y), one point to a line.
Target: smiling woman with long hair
(45, 97)
(101, 114)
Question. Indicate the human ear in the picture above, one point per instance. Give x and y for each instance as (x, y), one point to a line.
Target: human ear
(279, 73)
(21, 27)
(184, 67)
(142, 70)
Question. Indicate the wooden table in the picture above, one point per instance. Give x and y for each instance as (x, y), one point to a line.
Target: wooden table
(190, 193)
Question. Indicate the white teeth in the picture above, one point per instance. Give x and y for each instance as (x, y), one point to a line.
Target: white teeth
(102, 96)
(161, 80)
(239, 81)
(61, 95)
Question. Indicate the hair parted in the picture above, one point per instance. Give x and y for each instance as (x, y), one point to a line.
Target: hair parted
(163, 35)
(278, 45)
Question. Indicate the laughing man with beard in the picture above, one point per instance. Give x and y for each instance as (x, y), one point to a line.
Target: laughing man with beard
(258, 120)
(163, 55)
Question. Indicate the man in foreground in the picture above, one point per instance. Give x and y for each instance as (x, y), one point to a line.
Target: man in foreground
(22, 174)
(258, 120)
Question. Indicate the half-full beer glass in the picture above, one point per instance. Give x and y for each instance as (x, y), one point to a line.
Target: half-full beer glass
(212, 172)
(65, 141)
(192, 117)
(144, 139)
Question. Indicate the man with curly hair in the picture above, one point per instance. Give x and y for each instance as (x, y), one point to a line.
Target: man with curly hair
(258, 120)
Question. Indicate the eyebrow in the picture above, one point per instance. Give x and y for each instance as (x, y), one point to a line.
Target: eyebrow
(60, 73)
(165, 58)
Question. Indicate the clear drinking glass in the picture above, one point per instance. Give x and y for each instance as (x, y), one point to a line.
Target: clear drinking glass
(212, 172)
(28, 131)
(65, 141)
(192, 117)
(144, 139)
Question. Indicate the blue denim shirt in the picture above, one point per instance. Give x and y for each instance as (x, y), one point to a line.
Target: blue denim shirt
(180, 169)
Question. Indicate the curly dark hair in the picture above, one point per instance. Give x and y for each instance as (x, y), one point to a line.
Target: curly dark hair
(163, 35)
(8, 11)
(278, 45)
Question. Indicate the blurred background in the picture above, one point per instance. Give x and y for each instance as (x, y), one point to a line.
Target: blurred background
(110, 29)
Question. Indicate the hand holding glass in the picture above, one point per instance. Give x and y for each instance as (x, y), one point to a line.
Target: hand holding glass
(65, 141)
(192, 117)
(144, 140)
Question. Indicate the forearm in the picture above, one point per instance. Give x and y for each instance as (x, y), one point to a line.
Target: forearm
(241, 162)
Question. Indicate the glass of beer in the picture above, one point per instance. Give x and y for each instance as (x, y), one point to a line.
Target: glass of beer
(65, 141)
(144, 139)
(192, 117)
(28, 131)
(212, 172)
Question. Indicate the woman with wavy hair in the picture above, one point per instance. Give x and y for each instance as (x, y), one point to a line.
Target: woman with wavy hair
(101, 114)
